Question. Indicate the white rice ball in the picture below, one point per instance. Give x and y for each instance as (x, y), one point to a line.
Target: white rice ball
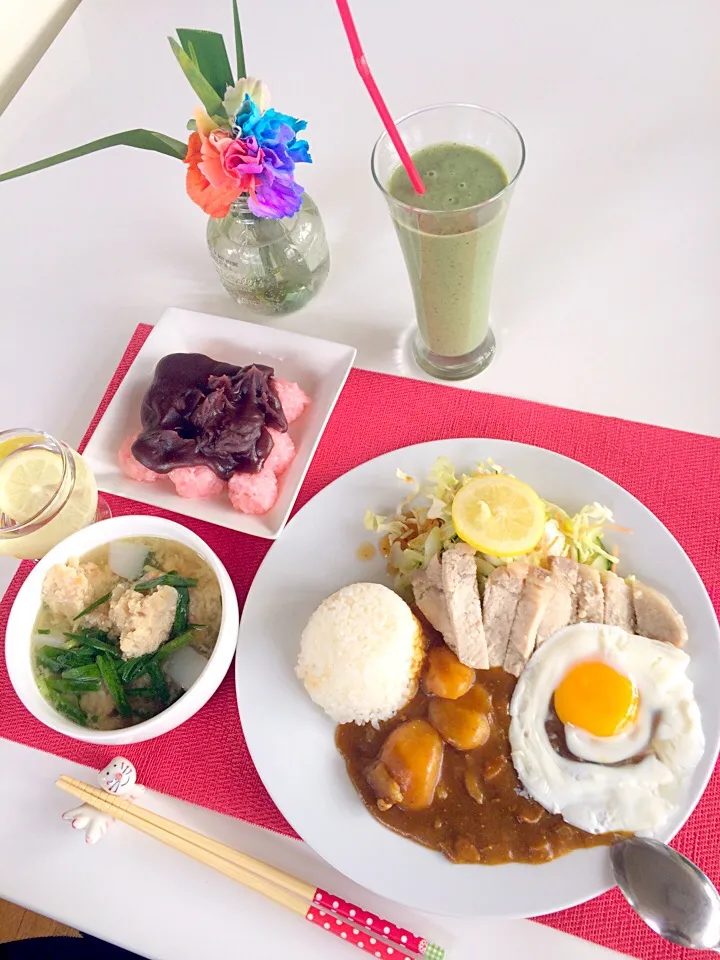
(361, 654)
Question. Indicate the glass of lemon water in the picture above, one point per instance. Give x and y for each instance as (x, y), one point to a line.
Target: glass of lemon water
(47, 492)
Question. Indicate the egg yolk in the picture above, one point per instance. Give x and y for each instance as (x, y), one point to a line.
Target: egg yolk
(597, 699)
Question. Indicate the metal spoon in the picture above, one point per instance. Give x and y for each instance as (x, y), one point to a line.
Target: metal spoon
(671, 894)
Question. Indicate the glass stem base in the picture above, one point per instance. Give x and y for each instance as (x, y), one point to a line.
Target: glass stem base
(454, 368)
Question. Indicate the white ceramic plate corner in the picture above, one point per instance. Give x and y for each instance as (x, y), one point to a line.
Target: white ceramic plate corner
(293, 746)
(321, 367)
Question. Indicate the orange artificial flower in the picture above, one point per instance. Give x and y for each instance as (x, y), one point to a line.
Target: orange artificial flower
(203, 157)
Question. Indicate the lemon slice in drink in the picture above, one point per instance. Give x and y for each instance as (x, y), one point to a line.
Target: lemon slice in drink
(498, 515)
(28, 481)
(14, 443)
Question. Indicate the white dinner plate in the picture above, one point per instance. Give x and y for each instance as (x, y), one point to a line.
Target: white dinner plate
(320, 367)
(292, 741)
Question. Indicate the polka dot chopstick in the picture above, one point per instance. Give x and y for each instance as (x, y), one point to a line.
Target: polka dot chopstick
(380, 938)
(376, 937)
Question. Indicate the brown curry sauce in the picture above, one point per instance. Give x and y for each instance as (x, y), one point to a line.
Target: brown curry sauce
(480, 812)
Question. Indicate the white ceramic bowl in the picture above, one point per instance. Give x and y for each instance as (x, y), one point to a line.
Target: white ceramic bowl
(27, 604)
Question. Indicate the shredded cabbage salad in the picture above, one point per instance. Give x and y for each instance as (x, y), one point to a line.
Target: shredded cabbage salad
(422, 526)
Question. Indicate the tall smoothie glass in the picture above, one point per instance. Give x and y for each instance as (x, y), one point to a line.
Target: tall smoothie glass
(469, 159)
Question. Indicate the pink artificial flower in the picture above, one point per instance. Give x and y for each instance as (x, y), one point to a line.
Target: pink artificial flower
(211, 165)
(203, 154)
(243, 159)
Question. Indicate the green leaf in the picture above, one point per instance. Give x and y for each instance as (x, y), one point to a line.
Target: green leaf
(158, 681)
(239, 52)
(182, 640)
(171, 579)
(108, 671)
(208, 96)
(93, 606)
(190, 50)
(208, 52)
(142, 139)
(181, 612)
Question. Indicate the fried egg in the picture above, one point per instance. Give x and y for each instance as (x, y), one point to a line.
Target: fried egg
(605, 719)
(618, 697)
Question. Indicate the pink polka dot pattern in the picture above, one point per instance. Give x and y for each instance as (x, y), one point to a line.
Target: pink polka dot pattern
(374, 925)
(354, 935)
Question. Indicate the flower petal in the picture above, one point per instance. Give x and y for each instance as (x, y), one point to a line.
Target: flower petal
(215, 202)
(281, 197)
(255, 90)
(203, 122)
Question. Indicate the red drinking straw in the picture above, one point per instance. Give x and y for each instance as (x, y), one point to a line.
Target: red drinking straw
(376, 96)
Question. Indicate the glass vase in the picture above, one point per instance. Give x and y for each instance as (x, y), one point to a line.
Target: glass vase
(270, 266)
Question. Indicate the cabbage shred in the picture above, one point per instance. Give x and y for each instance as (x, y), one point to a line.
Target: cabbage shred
(421, 526)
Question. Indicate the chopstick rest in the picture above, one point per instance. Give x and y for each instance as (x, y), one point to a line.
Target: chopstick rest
(119, 777)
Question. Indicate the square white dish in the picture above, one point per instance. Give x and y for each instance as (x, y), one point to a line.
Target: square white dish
(321, 367)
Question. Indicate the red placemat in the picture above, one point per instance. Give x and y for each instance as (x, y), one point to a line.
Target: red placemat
(378, 413)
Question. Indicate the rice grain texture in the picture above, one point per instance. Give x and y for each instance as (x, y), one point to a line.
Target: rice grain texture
(361, 654)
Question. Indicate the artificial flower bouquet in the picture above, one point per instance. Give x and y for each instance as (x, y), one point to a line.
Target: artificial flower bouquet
(238, 143)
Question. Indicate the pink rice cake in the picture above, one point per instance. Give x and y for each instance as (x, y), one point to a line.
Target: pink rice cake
(253, 493)
(293, 398)
(133, 468)
(196, 483)
(282, 453)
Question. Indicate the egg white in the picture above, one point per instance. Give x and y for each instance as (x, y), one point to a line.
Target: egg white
(622, 746)
(636, 797)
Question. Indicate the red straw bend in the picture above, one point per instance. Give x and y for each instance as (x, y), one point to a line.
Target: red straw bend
(376, 96)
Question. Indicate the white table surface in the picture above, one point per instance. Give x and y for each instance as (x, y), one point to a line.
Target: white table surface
(606, 300)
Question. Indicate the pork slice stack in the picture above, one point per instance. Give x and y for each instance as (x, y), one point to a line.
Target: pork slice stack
(524, 605)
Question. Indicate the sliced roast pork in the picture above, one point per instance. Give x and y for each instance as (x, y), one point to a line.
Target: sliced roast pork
(619, 610)
(534, 599)
(460, 586)
(428, 590)
(500, 601)
(589, 596)
(561, 606)
(655, 616)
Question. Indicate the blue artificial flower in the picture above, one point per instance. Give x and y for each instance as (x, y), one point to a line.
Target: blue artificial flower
(246, 118)
(275, 131)
(299, 150)
(271, 121)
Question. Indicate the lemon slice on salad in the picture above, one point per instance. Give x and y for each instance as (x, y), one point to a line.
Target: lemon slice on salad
(498, 515)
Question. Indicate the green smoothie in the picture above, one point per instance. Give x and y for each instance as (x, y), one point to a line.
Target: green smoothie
(450, 249)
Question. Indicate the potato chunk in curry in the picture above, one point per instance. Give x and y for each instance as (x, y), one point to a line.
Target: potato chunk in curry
(463, 723)
(446, 676)
(408, 769)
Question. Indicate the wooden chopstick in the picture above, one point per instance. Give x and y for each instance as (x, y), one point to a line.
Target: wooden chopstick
(327, 911)
(233, 864)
